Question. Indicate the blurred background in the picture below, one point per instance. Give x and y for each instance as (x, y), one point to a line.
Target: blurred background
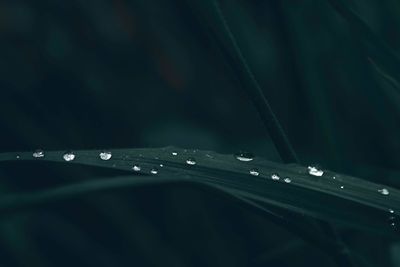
(134, 73)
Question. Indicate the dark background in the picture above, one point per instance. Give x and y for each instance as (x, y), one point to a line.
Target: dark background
(119, 74)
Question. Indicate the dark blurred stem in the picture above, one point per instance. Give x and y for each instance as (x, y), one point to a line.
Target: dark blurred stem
(341, 255)
(254, 91)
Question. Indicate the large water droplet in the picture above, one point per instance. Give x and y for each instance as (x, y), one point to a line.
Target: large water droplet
(105, 155)
(69, 156)
(314, 171)
(154, 171)
(244, 156)
(136, 168)
(275, 177)
(254, 172)
(39, 153)
(191, 161)
(287, 180)
(383, 191)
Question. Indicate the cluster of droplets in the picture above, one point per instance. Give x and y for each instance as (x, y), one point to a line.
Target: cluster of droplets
(241, 156)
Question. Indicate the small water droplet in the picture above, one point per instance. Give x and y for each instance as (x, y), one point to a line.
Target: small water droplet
(342, 186)
(244, 156)
(154, 171)
(334, 178)
(315, 171)
(17, 156)
(105, 155)
(191, 161)
(136, 168)
(383, 191)
(39, 153)
(391, 211)
(174, 153)
(254, 172)
(161, 165)
(275, 177)
(287, 180)
(69, 156)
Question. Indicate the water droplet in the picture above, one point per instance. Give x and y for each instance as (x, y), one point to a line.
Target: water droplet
(154, 171)
(174, 153)
(342, 186)
(391, 211)
(191, 161)
(383, 191)
(244, 156)
(105, 155)
(161, 165)
(38, 153)
(287, 180)
(69, 156)
(136, 168)
(254, 172)
(275, 177)
(315, 171)
(334, 178)
(17, 156)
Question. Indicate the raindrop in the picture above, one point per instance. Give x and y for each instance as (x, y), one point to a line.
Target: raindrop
(315, 171)
(244, 156)
(174, 153)
(105, 155)
(275, 177)
(191, 161)
(154, 171)
(287, 180)
(38, 153)
(136, 168)
(69, 156)
(383, 191)
(254, 172)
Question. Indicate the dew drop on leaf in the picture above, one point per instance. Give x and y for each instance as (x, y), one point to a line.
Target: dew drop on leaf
(136, 168)
(314, 171)
(39, 153)
(383, 191)
(69, 156)
(174, 153)
(191, 161)
(105, 155)
(287, 180)
(154, 171)
(161, 165)
(342, 186)
(244, 156)
(254, 172)
(275, 177)
(391, 211)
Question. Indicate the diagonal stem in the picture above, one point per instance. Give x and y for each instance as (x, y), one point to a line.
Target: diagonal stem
(341, 255)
